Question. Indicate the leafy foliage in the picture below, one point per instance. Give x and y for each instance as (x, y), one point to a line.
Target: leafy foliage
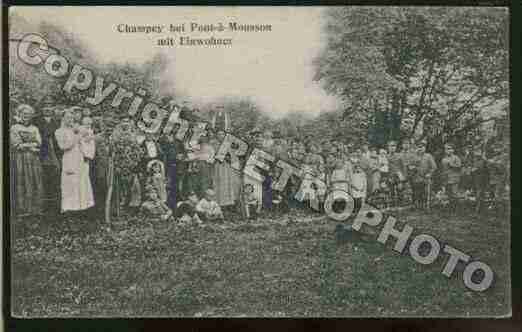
(407, 69)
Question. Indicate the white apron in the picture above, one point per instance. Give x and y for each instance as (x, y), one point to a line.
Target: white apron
(76, 185)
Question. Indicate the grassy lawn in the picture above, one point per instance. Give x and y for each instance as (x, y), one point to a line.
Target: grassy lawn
(289, 266)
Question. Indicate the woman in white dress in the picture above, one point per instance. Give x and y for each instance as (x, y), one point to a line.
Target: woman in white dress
(75, 183)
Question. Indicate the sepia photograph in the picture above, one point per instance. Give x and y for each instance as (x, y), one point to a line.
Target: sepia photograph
(347, 161)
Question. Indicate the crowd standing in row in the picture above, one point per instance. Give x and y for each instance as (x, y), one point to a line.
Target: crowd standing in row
(65, 160)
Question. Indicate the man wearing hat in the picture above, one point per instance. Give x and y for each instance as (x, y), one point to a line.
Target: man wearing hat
(50, 158)
(78, 114)
(220, 120)
(396, 171)
(451, 167)
(166, 103)
(280, 146)
(188, 114)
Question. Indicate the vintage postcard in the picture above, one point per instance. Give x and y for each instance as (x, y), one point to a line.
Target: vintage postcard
(259, 161)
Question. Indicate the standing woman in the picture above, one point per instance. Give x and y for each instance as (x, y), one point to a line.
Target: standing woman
(76, 185)
(26, 172)
(227, 180)
(125, 155)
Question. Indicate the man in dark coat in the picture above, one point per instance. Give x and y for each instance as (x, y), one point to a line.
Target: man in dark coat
(47, 126)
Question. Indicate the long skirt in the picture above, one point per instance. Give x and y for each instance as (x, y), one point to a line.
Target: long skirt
(26, 184)
(267, 193)
(201, 179)
(77, 189)
(51, 189)
(227, 184)
(171, 195)
(126, 193)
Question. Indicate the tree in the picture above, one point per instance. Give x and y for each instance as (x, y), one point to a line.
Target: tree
(408, 68)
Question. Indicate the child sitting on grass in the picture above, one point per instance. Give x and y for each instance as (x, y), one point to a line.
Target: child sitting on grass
(186, 210)
(154, 207)
(208, 208)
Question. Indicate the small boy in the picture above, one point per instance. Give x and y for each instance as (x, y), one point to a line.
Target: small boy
(208, 208)
(383, 163)
(358, 188)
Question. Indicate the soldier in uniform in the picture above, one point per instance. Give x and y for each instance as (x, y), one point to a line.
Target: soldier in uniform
(396, 172)
(451, 171)
(498, 163)
(424, 167)
(220, 120)
(408, 160)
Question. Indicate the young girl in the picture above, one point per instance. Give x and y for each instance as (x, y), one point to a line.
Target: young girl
(157, 178)
(87, 146)
(252, 203)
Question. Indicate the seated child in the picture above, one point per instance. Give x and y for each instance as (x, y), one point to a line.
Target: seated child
(208, 208)
(252, 203)
(154, 207)
(186, 210)
(157, 178)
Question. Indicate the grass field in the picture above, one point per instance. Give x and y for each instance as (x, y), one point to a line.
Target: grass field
(283, 267)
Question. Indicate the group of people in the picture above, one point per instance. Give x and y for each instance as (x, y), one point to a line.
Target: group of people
(67, 161)
(51, 161)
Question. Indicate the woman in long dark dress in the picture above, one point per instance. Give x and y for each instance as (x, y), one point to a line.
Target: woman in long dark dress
(26, 172)
(172, 151)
